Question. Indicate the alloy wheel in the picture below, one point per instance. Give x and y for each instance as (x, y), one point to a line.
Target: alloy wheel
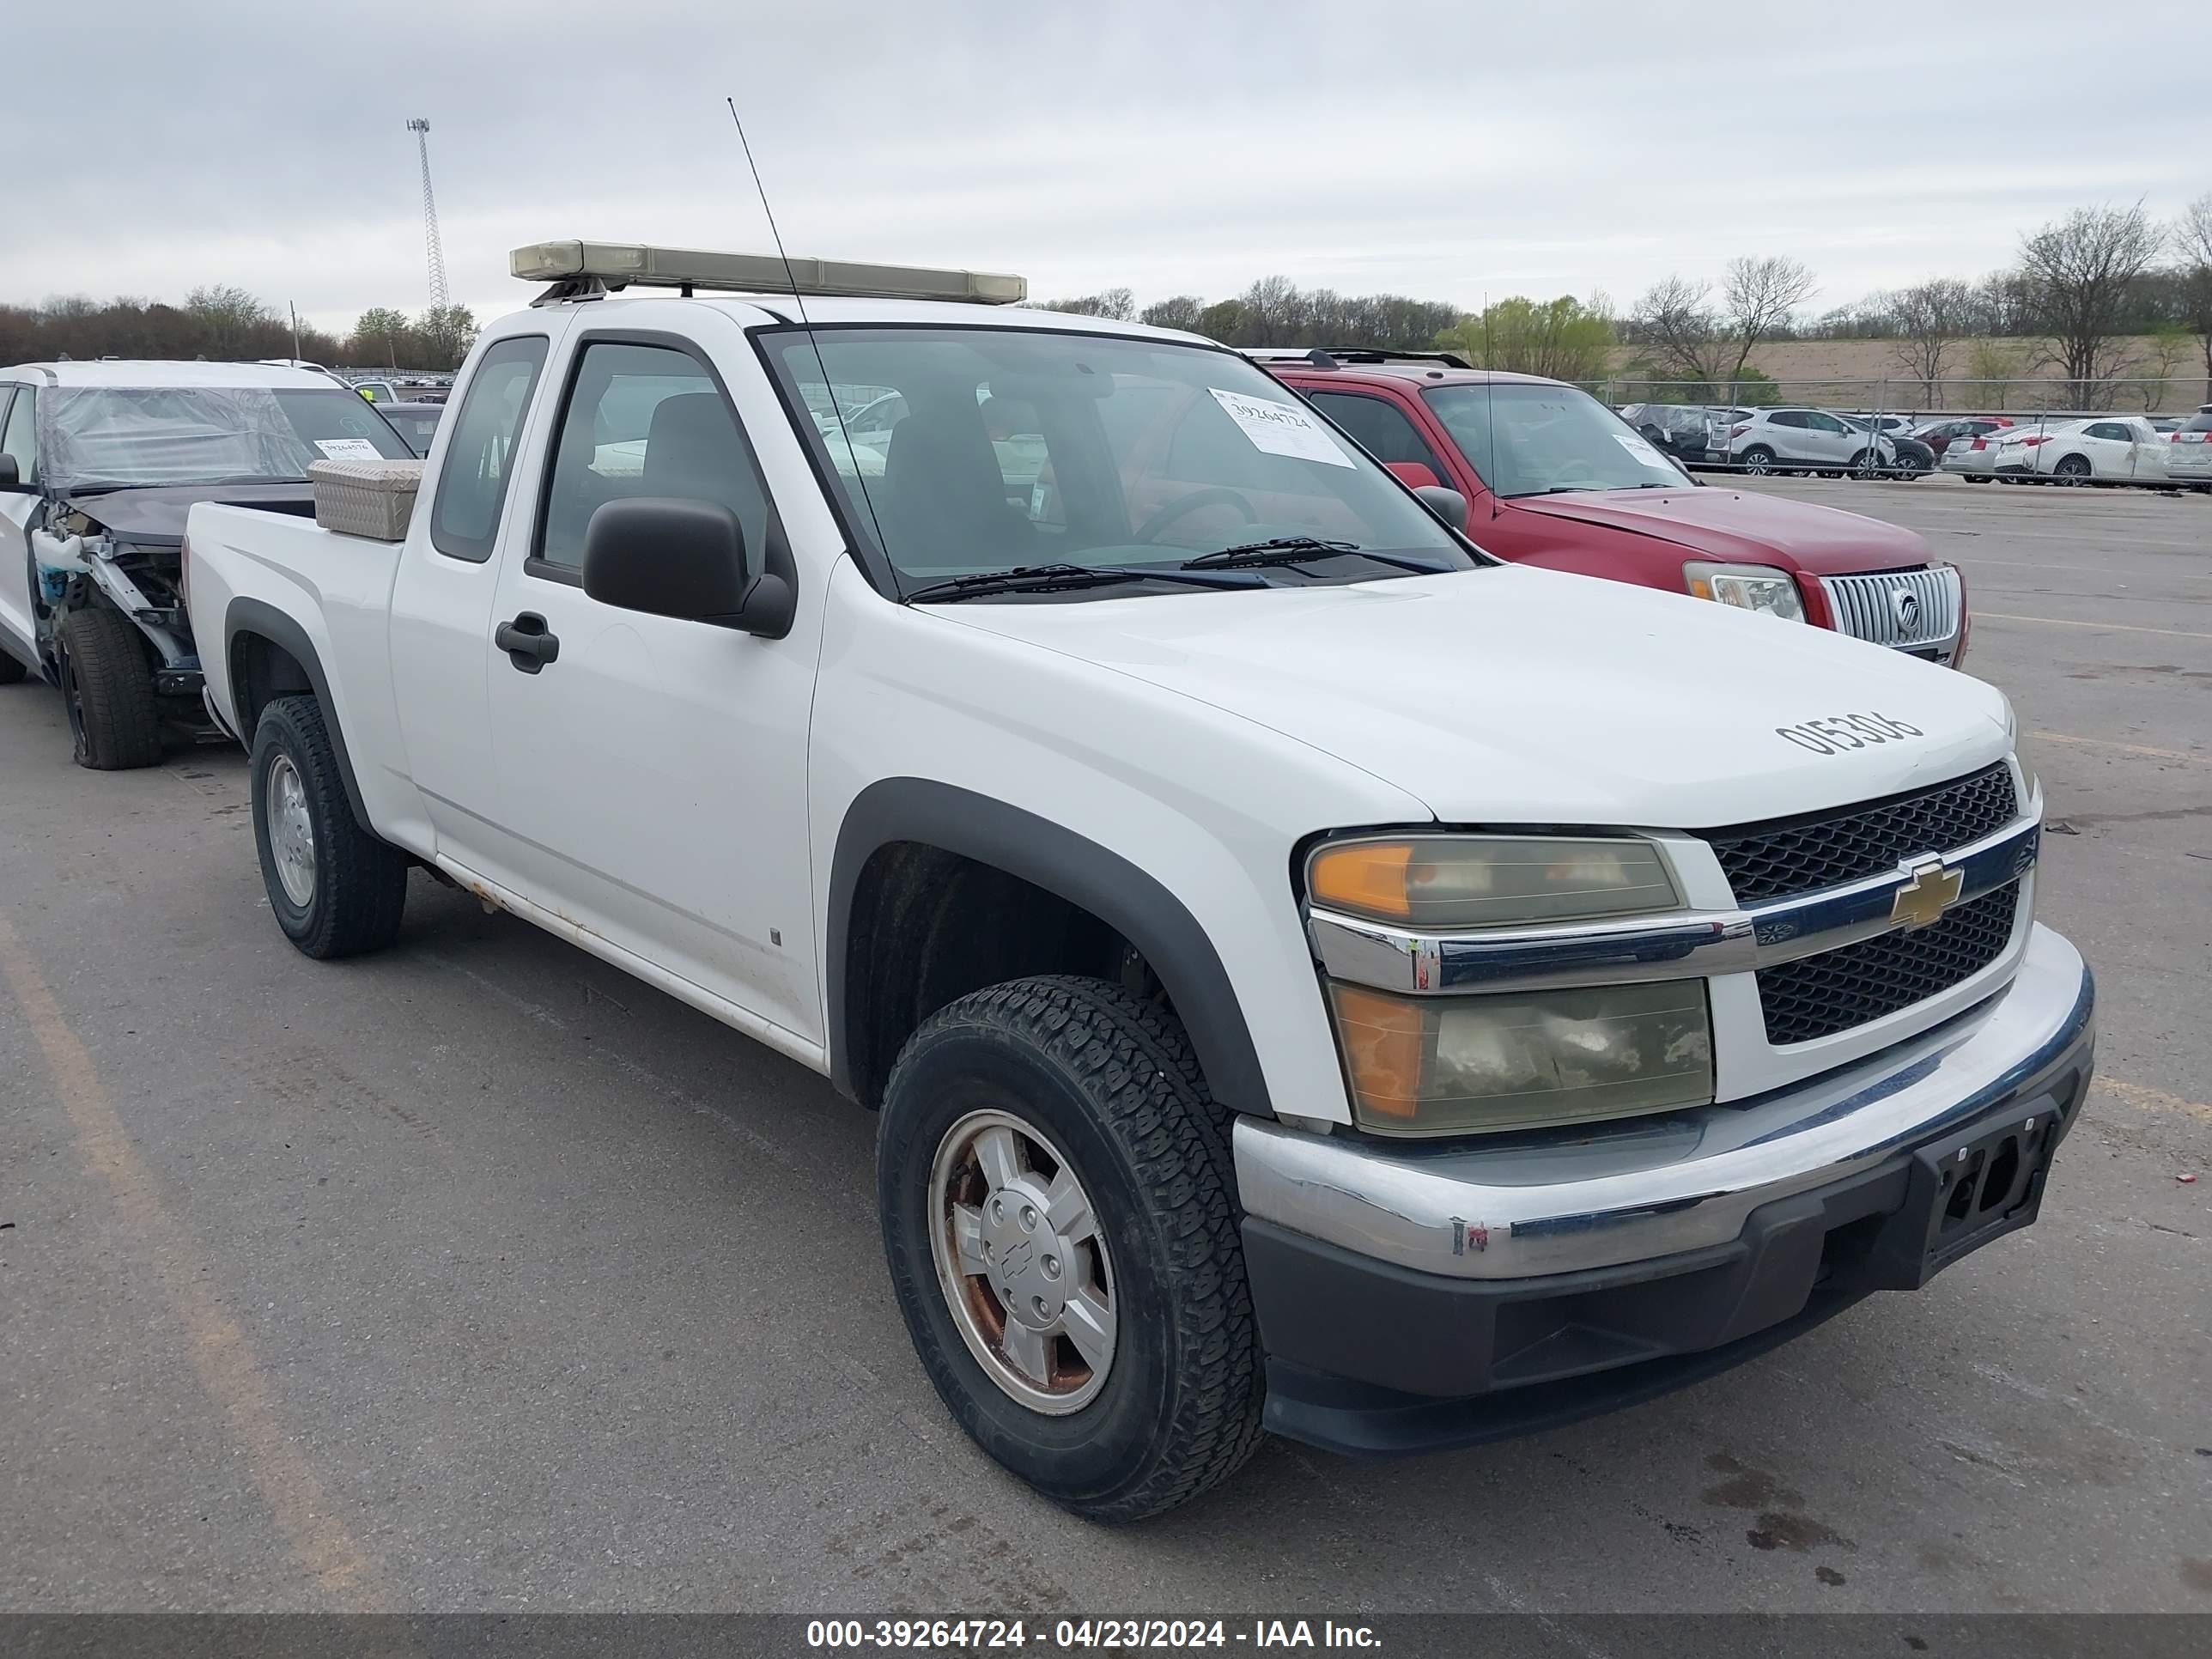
(1022, 1262)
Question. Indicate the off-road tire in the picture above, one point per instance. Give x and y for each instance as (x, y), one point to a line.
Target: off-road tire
(1112, 1080)
(359, 884)
(114, 723)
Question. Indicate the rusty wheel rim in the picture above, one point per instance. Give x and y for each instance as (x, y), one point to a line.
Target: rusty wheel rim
(1022, 1262)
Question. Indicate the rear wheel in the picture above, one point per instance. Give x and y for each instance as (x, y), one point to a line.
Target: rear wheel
(1866, 465)
(108, 685)
(335, 890)
(1055, 1187)
(2073, 469)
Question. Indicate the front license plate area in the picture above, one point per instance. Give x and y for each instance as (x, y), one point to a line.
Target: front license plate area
(1979, 1186)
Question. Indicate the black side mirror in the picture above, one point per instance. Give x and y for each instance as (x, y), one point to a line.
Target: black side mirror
(671, 556)
(11, 475)
(1447, 504)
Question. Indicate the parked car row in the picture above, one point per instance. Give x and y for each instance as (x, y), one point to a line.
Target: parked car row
(2109, 449)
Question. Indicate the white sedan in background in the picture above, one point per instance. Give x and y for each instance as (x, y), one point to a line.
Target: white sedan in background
(2109, 449)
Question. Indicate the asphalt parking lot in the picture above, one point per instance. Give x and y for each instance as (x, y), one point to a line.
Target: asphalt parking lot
(479, 1276)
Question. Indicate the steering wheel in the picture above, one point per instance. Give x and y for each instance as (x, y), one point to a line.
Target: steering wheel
(1211, 494)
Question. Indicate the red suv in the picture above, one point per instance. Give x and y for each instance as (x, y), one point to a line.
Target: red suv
(1554, 478)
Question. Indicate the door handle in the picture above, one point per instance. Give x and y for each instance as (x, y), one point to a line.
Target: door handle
(526, 641)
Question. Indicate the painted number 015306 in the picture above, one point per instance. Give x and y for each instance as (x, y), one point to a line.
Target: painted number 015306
(1832, 734)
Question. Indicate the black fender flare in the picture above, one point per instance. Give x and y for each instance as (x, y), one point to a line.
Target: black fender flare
(1052, 857)
(254, 617)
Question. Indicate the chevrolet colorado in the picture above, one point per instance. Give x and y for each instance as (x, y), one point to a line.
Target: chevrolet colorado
(1314, 977)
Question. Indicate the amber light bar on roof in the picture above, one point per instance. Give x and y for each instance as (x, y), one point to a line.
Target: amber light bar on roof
(624, 264)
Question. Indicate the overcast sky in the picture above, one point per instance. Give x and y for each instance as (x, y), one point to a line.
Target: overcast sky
(1448, 151)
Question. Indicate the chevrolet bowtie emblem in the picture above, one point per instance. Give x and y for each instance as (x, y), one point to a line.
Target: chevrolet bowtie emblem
(1932, 890)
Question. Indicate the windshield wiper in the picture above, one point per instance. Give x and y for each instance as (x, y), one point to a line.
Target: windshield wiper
(1298, 549)
(1053, 577)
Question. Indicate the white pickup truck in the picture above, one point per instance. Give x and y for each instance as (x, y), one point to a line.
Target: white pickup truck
(1313, 977)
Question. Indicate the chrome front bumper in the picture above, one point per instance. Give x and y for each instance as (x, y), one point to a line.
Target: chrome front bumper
(1644, 1190)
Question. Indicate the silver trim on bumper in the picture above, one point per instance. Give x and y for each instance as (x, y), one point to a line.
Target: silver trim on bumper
(1653, 1188)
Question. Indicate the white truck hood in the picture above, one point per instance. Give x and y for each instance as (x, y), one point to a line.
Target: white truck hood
(1515, 695)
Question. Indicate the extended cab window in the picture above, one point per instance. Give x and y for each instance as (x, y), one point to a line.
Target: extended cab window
(973, 451)
(471, 491)
(1381, 428)
(644, 420)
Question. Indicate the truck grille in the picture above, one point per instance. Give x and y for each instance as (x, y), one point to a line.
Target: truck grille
(1787, 856)
(1819, 996)
(1912, 609)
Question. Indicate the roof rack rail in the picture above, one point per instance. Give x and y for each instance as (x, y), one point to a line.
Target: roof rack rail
(1338, 356)
(592, 270)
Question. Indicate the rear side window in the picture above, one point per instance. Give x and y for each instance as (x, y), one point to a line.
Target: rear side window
(472, 490)
(1788, 417)
(1382, 430)
(2201, 423)
(645, 420)
(19, 436)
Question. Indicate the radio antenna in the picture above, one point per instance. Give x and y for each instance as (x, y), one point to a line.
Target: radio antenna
(799, 300)
(1489, 405)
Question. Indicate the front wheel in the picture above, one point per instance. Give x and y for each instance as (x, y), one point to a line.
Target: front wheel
(1759, 460)
(335, 890)
(1866, 465)
(1053, 1184)
(115, 725)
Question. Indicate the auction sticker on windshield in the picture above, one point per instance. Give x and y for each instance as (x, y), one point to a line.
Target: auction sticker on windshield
(348, 449)
(1282, 428)
(1643, 451)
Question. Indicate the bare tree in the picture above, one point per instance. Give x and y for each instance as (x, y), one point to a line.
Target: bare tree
(2192, 238)
(2079, 270)
(228, 318)
(1176, 311)
(1930, 317)
(1120, 304)
(1758, 297)
(1679, 331)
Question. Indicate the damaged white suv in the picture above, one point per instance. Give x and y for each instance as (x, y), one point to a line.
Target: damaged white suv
(99, 462)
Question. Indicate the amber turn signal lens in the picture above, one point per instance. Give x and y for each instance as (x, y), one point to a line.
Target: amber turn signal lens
(1385, 1044)
(1367, 878)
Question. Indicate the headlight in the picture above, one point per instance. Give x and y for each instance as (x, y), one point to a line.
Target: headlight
(1747, 587)
(1433, 1065)
(1489, 881)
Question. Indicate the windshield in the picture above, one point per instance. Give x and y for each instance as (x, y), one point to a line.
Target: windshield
(1539, 438)
(122, 436)
(982, 450)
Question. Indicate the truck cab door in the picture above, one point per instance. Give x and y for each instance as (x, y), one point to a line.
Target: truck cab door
(442, 598)
(652, 771)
